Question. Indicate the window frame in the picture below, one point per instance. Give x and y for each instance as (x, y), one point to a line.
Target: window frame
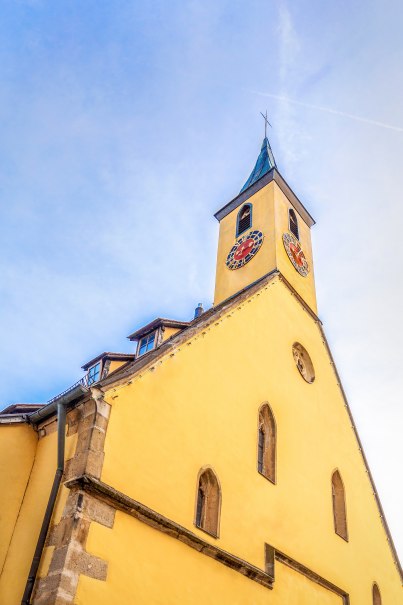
(292, 213)
(147, 338)
(238, 232)
(339, 507)
(267, 450)
(202, 499)
(376, 594)
(99, 373)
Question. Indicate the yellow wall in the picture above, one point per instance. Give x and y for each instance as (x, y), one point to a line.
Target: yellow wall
(115, 365)
(305, 286)
(199, 407)
(229, 282)
(17, 450)
(32, 508)
(157, 569)
(168, 332)
(270, 215)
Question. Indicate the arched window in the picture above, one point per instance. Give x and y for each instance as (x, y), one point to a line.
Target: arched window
(339, 506)
(266, 455)
(244, 219)
(293, 223)
(208, 502)
(376, 595)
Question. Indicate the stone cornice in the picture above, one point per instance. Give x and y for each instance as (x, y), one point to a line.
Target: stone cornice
(124, 503)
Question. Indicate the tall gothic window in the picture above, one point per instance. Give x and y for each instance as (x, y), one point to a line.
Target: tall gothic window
(208, 501)
(244, 219)
(266, 456)
(293, 223)
(376, 595)
(339, 506)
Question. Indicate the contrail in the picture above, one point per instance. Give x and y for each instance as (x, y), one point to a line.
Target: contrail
(329, 110)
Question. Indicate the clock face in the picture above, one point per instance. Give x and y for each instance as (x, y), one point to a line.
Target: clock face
(295, 254)
(244, 249)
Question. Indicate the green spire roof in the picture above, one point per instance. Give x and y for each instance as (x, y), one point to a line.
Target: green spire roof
(264, 164)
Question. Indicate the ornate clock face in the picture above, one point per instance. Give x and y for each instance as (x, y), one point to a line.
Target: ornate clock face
(244, 249)
(295, 254)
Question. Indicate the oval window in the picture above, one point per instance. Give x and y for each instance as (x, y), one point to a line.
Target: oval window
(303, 362)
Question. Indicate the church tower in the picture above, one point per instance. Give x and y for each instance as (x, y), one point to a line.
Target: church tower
(264, 229)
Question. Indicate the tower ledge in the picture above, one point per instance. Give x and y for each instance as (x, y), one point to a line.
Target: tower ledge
(272, 175)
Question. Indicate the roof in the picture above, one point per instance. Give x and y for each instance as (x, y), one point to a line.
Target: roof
(22, 408)
(264, 164)
(272, 175)
(111, 356)
(160, 322)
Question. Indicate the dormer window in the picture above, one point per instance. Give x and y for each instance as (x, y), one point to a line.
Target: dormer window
(146, 343)
(244, 220)
(94, 373)
(152, 335)
(293, 223)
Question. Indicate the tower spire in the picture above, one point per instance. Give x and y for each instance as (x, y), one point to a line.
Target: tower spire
(265, 161)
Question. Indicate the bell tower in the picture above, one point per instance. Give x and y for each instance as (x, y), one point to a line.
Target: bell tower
(263, 229)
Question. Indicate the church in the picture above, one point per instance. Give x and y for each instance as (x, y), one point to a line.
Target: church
(218, 463)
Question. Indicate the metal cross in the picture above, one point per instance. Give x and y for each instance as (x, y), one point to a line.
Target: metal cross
(266, 121)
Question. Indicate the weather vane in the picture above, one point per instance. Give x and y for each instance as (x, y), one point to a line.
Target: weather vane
(266, 121)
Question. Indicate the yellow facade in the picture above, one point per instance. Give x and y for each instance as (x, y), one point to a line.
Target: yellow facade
(124, 528)
(32, 462)
(211, 410)
(159, 569)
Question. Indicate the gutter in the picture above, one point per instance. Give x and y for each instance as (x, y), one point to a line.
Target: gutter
(36, 417)
(60, 405)
(13, 418)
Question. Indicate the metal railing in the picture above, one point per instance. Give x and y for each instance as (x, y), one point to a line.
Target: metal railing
(84, 382)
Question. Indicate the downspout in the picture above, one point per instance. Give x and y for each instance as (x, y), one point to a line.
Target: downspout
(61, 429)
(61, 405)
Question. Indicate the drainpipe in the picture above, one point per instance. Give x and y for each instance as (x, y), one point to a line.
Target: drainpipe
(61, 431)
(61, 427)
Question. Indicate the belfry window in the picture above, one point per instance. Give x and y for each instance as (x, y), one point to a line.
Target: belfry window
(266, 456)
(293, 223)
(244, 219)
(339, 506)
(376, 595)
(146, 344)
(208, 502)
(93, 374)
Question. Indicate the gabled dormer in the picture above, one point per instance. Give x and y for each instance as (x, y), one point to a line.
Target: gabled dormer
(99, 367)
(152, 335)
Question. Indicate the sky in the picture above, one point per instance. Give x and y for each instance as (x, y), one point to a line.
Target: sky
(125, 125)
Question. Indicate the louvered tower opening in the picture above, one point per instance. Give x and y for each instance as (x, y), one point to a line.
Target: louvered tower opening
(244, 219)
(293, 223)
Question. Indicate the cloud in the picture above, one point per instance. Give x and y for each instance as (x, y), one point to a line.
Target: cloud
(344, 114)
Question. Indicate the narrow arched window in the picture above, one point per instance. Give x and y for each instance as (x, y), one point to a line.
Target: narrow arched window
(266, 455)
(208, 502)
(293, 223)
(339, 506)
(244, 219)
(376, 595)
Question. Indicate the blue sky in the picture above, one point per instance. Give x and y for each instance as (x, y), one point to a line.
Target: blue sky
(126, 125)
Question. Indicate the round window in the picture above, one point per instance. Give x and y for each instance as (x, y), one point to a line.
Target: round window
(303, 362)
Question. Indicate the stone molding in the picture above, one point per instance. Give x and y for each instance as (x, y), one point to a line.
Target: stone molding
(70, 558)
(122, 502)
(272, 555)
(68, 537)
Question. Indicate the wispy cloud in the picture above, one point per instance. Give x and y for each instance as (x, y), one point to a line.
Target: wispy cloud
(288, 42)
(344, 114)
